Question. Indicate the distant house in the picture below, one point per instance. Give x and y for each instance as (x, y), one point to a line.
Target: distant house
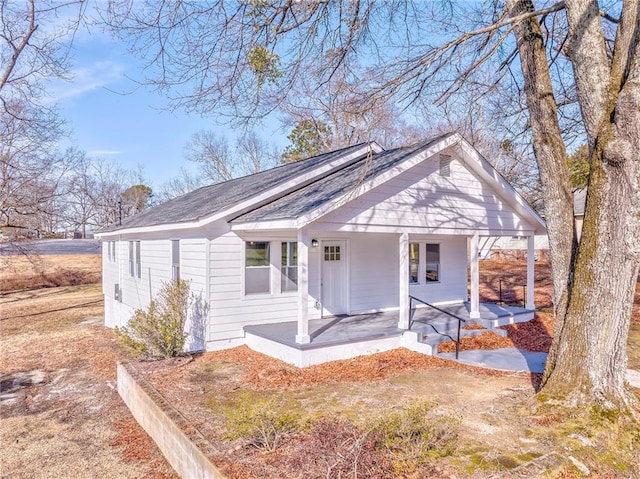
(330, 257)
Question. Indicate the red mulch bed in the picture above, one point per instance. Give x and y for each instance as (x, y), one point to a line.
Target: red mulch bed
(535, 335)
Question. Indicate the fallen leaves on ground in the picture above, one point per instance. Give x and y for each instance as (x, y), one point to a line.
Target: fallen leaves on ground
(262, 372)
(535, 335)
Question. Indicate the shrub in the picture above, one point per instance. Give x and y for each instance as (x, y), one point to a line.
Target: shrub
(334, 447)
(413, 436)
(264, 423)
(158, 332)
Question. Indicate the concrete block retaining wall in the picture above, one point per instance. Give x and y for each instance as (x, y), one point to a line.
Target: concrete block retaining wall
(181, 444)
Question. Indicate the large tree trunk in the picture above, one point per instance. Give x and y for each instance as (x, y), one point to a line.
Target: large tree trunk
(551, 155)
(593, 289)
(591, 347)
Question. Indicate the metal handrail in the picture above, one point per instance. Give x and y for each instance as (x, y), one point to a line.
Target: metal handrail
(524, 292)
(460, 320)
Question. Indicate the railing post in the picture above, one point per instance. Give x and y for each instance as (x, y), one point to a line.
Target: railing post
(458, 340)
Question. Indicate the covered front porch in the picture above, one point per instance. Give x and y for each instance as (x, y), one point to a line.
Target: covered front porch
(347, 336)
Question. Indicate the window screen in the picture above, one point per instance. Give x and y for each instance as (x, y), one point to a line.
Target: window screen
(289, 266)
(257, 267)
(433, 263)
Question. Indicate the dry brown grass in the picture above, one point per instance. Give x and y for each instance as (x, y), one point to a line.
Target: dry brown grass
(61, 413)
(34, 271)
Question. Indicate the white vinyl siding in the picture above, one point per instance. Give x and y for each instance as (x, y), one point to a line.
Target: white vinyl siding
(373, 272)
(230, 308)
(452, 269)
(422, 199)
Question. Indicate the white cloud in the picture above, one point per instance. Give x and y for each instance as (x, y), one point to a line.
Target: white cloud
(86, 79)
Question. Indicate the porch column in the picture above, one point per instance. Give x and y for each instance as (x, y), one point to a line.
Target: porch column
(531, 260)
(403, 314)
(303, 288)
(475, 276)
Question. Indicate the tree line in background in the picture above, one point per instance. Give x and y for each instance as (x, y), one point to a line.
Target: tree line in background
(46, 190)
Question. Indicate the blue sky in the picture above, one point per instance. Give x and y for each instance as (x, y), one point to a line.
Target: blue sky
(110, 116)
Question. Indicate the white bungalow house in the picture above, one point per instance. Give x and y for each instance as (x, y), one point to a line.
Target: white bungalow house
(331, 257)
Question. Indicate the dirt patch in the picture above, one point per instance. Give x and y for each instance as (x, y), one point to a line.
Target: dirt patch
(61, 413)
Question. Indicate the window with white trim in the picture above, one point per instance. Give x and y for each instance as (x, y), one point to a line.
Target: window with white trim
(289, 264)
(138, 260)
(132, 271)
(175, 260)
(414, 262)
(257, 268)
(432, 274)
(332, 253)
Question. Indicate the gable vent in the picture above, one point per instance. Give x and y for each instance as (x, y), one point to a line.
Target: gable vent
(445, 165)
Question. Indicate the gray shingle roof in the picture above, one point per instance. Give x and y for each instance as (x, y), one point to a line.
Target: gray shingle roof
(310, 197)
(209, 200)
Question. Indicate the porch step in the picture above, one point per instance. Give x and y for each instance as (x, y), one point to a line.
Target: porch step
(427, 335)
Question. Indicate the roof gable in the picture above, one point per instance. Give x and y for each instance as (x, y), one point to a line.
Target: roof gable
(326, 193)
(329, 193)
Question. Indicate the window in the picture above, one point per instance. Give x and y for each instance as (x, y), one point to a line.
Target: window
(257, 268)
(131, 260)
(289, 266)
(445, 165)
(111, 251)
(175, 260)
(433, 263)
(138, 262)
(414, 262)
(332, 253)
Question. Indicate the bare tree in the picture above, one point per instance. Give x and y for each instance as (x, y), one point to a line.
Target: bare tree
(179, 185)
(255, 154)
(218, 162)
(34, 46)
(31, 169)
(34, 42)
(342, 114)
(571, 67)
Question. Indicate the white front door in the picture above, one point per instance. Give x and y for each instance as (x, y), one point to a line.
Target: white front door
(334, 278)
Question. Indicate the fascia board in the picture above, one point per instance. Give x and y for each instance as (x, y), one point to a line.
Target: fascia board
(264, 225)
(418, 230)
(378, 180)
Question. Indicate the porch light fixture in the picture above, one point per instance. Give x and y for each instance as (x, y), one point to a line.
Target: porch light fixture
(314, 243)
